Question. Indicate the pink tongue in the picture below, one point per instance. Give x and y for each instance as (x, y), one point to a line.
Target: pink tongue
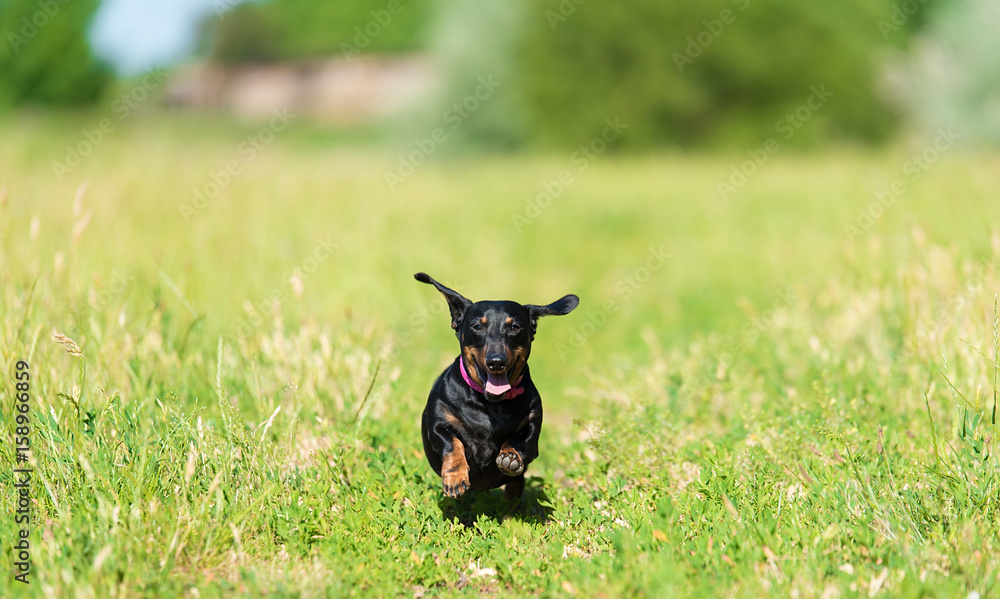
(497, 384)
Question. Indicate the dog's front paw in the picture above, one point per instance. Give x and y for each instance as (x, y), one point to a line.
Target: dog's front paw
(509, 461)
(456, 483)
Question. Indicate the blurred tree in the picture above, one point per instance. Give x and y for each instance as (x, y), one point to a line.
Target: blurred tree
(45, 58)
(715, 71)
(951, 77)
(294, 29)
(244, 34)
(475, 43)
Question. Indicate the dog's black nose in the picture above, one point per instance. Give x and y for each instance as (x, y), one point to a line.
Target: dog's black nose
(496, 363)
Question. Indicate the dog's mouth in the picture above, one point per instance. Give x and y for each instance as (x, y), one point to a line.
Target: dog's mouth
(497, 383)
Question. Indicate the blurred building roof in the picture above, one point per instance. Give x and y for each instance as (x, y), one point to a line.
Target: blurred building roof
(344, 90)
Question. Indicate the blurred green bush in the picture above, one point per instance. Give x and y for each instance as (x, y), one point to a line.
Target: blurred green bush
(713, 71)
(951, 75)
(299, 29)
(45, 57)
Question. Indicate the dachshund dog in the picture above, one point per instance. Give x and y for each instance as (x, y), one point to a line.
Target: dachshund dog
(483, 416)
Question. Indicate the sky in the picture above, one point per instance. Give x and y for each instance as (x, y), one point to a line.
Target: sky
(138, 35)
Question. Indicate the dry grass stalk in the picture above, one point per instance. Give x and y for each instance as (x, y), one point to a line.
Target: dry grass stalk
(68, 344)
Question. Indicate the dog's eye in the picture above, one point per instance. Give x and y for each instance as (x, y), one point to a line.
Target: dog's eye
(477, 327)
(515, 328)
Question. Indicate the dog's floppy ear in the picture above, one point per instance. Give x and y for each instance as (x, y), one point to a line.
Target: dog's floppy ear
(560, 307)
(456, 303)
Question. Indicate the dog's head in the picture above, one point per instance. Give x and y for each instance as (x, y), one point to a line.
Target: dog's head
(496, 336)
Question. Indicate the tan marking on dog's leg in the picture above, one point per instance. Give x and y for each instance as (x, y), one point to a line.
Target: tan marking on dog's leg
(450, 418)
(455, 470)
(509, 461)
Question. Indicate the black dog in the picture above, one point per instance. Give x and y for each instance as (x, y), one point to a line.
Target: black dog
(483, 415)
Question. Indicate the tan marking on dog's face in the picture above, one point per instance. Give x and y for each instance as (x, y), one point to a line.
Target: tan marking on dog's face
(471, 357)
(482, 321)
(518, 356)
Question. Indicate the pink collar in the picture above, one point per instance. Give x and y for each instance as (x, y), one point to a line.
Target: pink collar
(514, 389)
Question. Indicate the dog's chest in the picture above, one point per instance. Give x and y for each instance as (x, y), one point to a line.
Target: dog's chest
(493, 426)
(499, 421)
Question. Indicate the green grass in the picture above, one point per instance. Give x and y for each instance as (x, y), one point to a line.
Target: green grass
(210, 442)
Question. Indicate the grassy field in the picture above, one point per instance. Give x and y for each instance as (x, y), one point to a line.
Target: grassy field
(781, 407)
